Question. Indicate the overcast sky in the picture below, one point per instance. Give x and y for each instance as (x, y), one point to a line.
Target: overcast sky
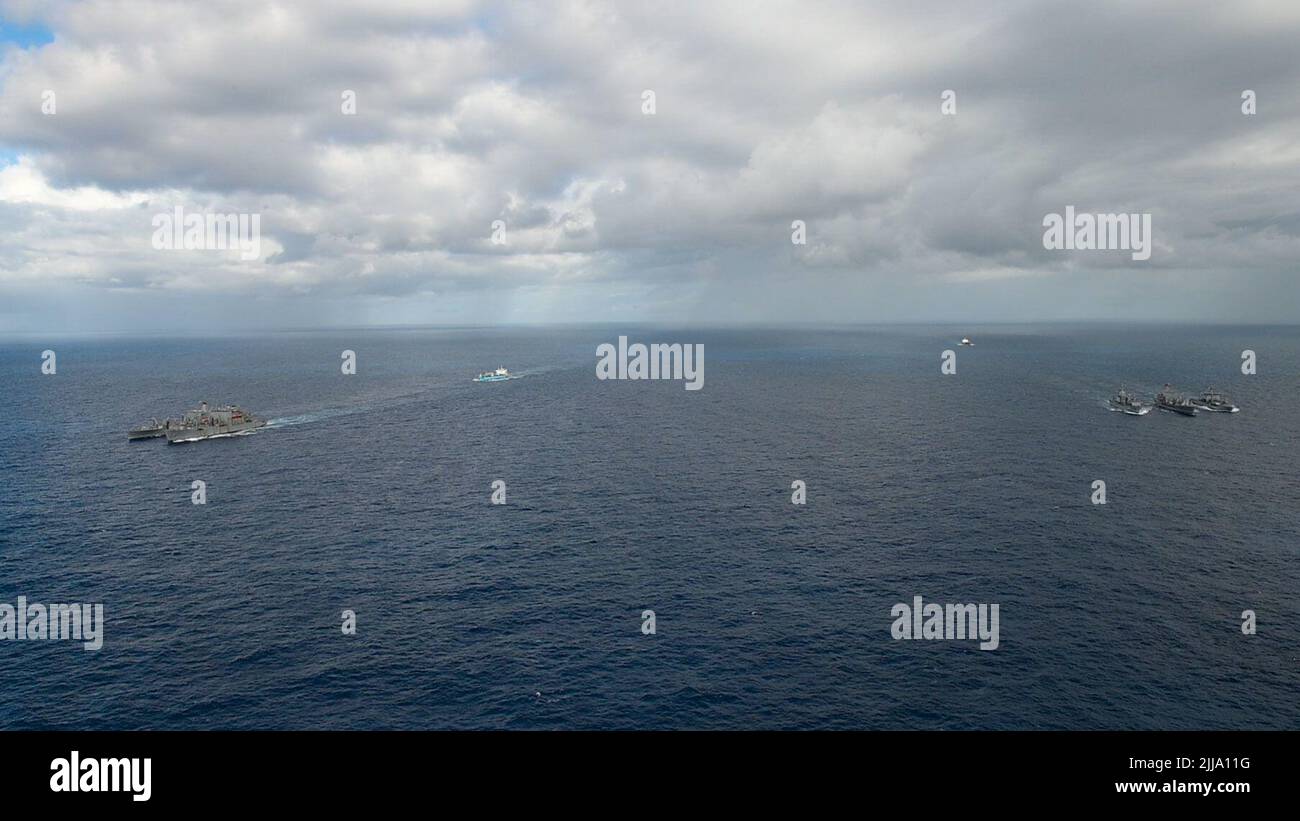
(532, 114)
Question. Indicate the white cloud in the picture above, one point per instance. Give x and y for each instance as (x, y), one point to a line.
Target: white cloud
(22, 183)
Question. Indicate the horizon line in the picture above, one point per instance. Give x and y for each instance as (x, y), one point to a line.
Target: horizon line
(801, 326)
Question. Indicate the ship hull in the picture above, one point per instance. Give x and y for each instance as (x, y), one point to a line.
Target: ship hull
(138, 435)
(1178, 409)
(177, 436)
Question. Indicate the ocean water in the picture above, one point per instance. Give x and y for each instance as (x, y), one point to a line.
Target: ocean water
(372, 493)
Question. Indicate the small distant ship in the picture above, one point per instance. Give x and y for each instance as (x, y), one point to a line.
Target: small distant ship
(1125, 403)
(1215, 402)
(965, 340)
(1169, 400)
(499, 375)
(153, 429)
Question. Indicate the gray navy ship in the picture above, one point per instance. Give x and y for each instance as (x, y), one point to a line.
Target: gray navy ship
(153, 429)
(1124, 402)
(1214, 402)
(201, 423)
(1170, 400)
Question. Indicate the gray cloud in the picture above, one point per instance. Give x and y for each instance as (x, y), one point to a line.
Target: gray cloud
(531, 114)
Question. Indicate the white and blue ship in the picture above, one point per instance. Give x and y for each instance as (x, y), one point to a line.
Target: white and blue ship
(499, 375)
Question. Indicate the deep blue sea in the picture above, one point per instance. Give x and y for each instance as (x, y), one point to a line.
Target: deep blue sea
(371, 492)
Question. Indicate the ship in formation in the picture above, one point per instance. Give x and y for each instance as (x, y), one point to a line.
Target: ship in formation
(1124, 402)
(1172, 401)
(198, 424)
(1215, 402)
